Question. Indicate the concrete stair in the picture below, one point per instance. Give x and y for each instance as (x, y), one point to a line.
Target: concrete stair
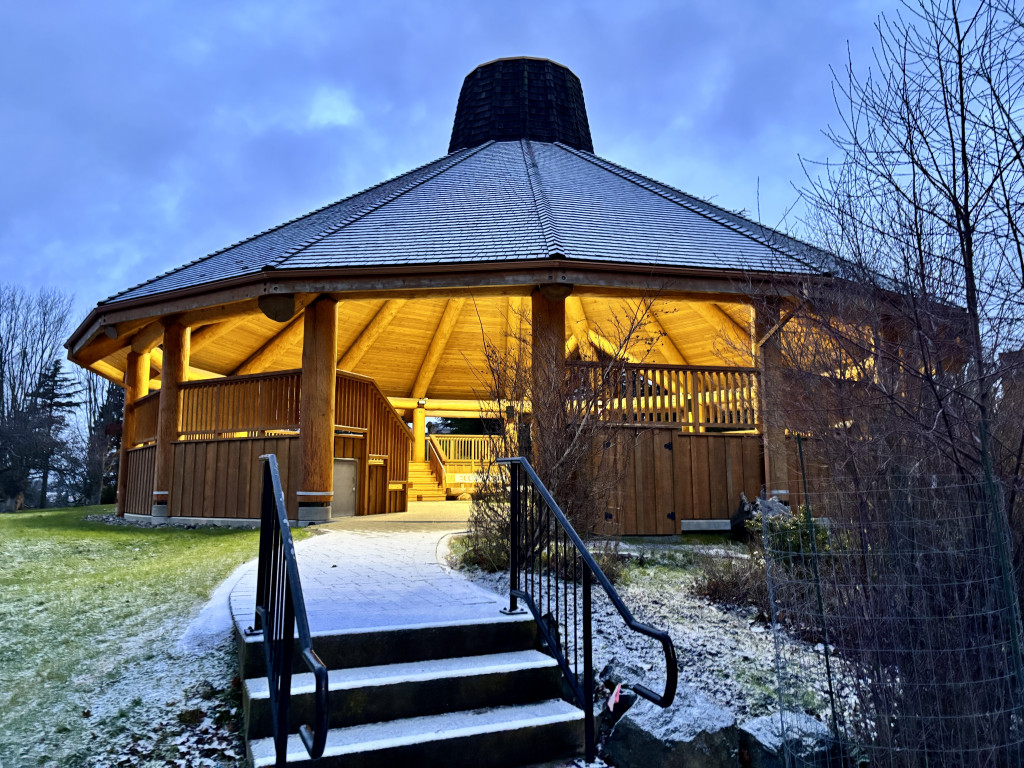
(450, 694)
(423, 486)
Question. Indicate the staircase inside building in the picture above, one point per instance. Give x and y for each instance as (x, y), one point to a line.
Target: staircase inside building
(451, 694)
(423, 485)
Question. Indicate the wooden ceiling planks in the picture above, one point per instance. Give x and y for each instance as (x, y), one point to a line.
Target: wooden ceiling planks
(679, 330)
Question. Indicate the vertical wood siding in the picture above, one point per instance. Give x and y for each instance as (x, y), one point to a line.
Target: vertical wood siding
(222, 478)
(675, 476)
(141, 467)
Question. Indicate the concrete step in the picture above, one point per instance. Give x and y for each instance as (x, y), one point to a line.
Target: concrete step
(497, 737)
(396, 691)
(374, 646)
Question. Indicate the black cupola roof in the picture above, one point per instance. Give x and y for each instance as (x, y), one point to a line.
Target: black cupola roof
(521, 98)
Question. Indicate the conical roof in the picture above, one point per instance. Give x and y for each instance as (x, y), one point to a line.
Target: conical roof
(510, 201)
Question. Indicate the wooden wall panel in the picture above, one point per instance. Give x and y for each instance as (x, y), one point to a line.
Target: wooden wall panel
(676, 476)
(140, 466)
(223, 478)
(664, 482)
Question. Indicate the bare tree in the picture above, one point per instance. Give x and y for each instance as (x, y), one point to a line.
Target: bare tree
(901, 369)
(551, 410)
(32, 329)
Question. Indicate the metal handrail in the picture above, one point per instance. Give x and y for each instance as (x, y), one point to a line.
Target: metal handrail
(585, 692)
(280, 610)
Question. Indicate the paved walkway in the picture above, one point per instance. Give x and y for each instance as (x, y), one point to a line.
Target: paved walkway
(381, 570)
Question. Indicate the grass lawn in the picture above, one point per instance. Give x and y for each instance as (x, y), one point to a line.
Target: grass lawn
(82, 601)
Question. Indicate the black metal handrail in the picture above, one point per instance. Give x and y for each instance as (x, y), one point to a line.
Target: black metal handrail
(280, 610)
(541, 537)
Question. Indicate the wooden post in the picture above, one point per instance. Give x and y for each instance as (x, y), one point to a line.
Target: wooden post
(136, 385)
(547, 365)
(316, 410)
(776, 473)
(419, 432)
(172, 374)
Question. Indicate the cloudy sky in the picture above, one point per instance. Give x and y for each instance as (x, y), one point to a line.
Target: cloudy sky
(139, 135)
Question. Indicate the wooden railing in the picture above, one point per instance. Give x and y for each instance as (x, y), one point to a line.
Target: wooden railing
(438, 459)
(698, 399)
(360, 406)
(146, 410)
(466, 449)
(240, 406)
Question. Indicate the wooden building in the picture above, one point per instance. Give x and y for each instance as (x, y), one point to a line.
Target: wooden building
(330, 339)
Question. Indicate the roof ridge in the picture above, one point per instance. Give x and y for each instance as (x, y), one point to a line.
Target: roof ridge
(267, 231)
(368, 209)
(685, 200)
(540, 201)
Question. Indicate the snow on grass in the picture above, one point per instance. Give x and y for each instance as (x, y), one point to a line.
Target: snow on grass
(724, 653)
(90, 623)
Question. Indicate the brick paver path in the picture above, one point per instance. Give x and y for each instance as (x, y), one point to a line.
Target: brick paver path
(364, 573)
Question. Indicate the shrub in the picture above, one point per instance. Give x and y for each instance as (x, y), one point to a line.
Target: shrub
(739, 581)
(791, 536)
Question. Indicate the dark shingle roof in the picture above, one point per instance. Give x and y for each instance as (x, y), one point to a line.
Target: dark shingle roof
(505, 201)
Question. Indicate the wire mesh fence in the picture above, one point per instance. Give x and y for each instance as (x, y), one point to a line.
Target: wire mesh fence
(896, 624)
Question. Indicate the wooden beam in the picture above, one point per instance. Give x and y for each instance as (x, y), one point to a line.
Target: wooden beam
(437, 346)
(239, 309)
(369, 334)
(156, 363)
(263, 358)
(419, 433)
(136, 385)
(718, 318)
(176, 353)
(513, 328)
(108, 372)
(610, 348)
(315, 485)
(100, 347)
(776, 471)
(672, 354)
(547, 374)
(147, 338)
(579, 327)
(436, 407)
(123, 330)
(208, 334)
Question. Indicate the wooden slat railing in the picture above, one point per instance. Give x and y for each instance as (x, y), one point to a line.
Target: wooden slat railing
(438, 459)
(697, 398)
(360, 406)
(146, 410)
(240, 406)
(466, 449)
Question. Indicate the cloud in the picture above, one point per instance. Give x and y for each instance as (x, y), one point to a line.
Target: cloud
(332, 106)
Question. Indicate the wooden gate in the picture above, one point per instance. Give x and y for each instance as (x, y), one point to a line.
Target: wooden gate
(678, 481)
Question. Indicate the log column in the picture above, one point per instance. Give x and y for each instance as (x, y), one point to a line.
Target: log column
(419, 431)
(547, 367)
(173, 373)
(316, 410)
(136, 386)
(776, 473)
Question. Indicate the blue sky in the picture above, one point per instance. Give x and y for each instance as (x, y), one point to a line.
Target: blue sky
(137, 136)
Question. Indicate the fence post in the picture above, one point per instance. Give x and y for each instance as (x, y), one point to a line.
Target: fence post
(266, 545)
(513, 555)
(588, 673)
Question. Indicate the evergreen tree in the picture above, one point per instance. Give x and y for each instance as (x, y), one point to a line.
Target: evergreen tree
(98, 481)
(50, 406)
